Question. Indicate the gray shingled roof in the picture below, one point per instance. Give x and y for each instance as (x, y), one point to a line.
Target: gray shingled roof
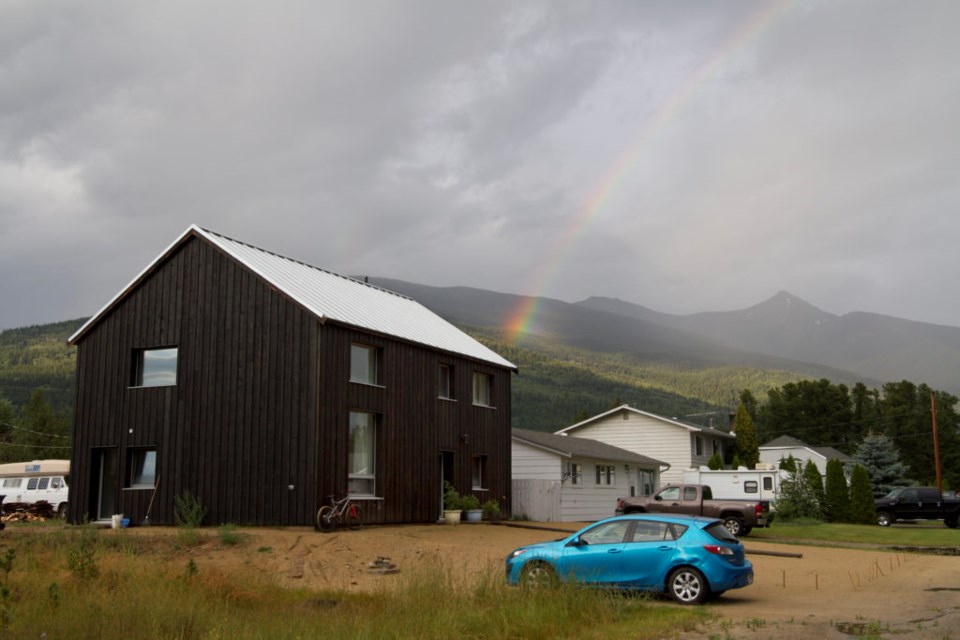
(583, 448)
(333, 297)
(674, 421)
(789, 441)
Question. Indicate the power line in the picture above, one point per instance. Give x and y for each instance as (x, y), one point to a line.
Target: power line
(39, 433)
(33, 446)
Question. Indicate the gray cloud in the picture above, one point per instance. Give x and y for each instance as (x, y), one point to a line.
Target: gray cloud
(685, 156)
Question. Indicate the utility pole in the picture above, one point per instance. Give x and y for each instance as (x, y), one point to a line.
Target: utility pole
(936, 441)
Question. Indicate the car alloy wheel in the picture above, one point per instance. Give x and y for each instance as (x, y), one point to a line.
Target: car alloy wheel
(884, 519)
(733, 524)
(537, 574)
(687, 586)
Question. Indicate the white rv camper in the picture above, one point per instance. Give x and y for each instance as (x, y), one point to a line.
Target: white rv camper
(30, 482)
(760, 485)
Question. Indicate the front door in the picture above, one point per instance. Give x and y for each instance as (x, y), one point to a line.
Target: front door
(105, 482)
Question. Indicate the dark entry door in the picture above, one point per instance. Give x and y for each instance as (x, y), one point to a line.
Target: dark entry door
(105, 482)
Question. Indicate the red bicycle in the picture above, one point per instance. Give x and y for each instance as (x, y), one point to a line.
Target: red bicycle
(339, 512)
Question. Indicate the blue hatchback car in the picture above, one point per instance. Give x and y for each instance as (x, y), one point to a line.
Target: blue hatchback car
(689, 557)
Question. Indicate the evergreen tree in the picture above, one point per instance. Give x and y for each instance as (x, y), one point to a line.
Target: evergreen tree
(43, 433)
(789, 463)
(750, 403)
(748, 447)
(880, 458)
(814, 482)
(796, 499)
(862, 509)
(836, 505)
(715, 462)
(735, 463)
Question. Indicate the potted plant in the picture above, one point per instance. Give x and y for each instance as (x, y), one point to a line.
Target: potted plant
(471, 504)
(491, 509)
(452, 504)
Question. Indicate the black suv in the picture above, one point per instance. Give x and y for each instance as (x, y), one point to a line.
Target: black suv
(917, 503)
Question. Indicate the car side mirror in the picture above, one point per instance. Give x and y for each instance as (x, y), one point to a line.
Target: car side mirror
(658, 497)
(576, 542)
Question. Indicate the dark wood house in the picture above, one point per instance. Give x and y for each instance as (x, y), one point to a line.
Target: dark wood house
(262, 385)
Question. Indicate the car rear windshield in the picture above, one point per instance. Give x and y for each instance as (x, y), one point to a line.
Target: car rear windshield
(720, 532)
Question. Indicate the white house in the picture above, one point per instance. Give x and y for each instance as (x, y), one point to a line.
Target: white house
(678, 444)
(786, 446)
(558, 478)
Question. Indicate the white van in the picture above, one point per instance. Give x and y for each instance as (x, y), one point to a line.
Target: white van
(30, 482)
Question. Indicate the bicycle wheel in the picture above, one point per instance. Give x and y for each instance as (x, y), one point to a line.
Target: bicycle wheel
(354, 517)
(326, 520)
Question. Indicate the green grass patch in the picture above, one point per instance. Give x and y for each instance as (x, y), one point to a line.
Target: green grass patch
(81, 583)
(906, 535)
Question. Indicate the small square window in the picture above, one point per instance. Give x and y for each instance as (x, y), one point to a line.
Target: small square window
(479, 472)
(482, 389)
(750, 486)
(155, 367)
(44, 483)
(364, 364)
(32, 484)
(143, 468)
(445, 382)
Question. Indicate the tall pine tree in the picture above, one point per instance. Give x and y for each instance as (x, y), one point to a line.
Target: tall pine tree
(748, 447)
(836, 505)
(862, 509)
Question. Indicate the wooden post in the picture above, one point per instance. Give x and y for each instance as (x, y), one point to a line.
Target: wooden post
(936, 441)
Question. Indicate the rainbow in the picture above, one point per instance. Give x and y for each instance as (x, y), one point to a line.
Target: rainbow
(522, 317)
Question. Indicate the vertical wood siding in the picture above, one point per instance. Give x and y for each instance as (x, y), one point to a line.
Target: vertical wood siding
(257, 424)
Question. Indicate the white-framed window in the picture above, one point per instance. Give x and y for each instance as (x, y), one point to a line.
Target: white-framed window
(482, 389)
(362, 458)
(698, 445)
(606, 474)
(364, 364)
(576, 473)
(445, 382)
(155, 367)
(750, 486)
(479, 472)
(12, 483)
(143, 468)
(646, 483)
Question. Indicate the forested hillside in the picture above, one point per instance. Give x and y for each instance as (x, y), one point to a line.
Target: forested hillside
(557, 384)
(38, 357)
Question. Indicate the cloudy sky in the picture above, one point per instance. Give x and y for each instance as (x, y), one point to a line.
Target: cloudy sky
(686, 156)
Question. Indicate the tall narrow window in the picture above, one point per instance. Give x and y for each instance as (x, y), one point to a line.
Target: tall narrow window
(155, 367)
(362, 457)
(479, 472)
(576, 473)
(143, 468)
(482, 383)
(364, 364)
(445, 382)
(698, 445)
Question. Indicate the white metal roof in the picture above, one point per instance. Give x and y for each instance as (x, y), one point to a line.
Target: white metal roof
(337, 298)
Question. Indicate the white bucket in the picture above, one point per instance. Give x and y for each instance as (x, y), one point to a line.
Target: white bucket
(116, 521)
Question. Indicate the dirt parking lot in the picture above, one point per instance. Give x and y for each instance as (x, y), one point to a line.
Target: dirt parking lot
(828, 593)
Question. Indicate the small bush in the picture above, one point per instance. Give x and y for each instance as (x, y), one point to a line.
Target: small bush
(188, 510)
(229, 534)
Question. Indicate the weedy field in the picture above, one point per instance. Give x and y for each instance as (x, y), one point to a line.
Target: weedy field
(81, 582)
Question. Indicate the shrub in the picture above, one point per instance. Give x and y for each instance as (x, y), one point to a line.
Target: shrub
(188, 510)
(862, 506)
(836, 506)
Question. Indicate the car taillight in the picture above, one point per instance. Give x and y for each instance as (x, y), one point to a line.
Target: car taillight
(758, 509)
(718, 550)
